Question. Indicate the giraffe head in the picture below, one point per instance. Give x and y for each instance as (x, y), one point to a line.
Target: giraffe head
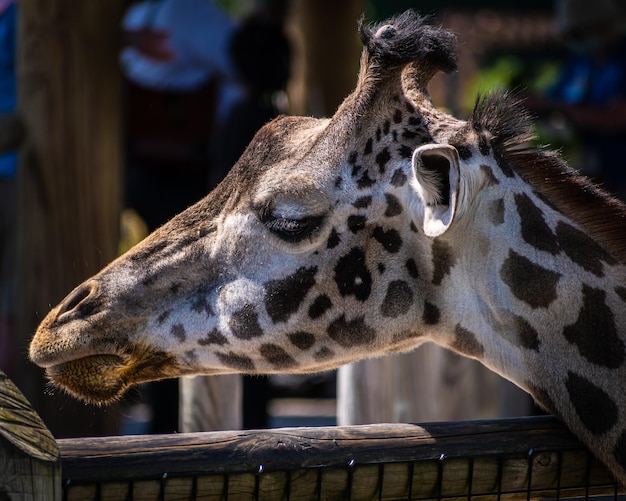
(304, 258)
(388, 225)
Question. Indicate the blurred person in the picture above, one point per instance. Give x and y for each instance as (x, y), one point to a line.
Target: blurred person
(176, 45)
(180, 80)
(590, 91)
(260, 54)
(8, 173)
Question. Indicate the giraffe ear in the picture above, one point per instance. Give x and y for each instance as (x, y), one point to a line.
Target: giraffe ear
(436, 182)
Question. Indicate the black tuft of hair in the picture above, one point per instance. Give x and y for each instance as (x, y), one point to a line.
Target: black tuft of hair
(407, 38)
(503, 115)
(594, 210)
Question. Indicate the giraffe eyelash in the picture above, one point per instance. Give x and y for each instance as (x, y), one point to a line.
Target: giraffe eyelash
(290, 230)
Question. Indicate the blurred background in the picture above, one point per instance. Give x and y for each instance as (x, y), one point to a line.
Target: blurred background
(125, 113)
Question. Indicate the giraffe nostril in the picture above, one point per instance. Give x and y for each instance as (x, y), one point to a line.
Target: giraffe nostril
(81, 302)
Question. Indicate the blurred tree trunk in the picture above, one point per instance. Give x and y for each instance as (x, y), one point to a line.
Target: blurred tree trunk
(69, 176)
(326, 54)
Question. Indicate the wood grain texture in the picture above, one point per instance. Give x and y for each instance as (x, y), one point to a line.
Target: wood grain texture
(386, 461)
(21, 426)
(29, 456)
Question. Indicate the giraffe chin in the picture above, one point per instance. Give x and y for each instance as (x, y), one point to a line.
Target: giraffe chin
(103, 378)
(96, 379)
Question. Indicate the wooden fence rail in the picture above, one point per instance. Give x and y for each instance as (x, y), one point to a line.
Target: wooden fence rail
(524, 458)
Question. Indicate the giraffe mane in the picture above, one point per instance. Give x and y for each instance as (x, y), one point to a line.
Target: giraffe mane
(510, 126)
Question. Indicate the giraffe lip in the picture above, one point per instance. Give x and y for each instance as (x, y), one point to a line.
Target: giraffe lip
(106, 360)
(53, 359)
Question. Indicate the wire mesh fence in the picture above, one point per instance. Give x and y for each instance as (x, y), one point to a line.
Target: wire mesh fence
(513, 459)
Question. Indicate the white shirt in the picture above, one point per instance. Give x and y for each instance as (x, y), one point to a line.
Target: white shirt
(199, 36)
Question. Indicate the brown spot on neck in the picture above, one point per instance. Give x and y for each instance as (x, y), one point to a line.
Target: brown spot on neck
(597, 213)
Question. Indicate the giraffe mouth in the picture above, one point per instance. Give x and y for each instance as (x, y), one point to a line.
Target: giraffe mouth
(103, 379)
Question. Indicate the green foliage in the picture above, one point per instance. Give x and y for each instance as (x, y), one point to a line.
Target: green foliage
(501, 75)
(237, 8)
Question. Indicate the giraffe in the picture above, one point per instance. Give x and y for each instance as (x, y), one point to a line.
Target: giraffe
(386, 226)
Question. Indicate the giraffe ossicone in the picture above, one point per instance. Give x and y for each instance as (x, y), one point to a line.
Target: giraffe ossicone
(390, 224)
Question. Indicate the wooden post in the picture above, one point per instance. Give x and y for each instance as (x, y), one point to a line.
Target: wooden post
(427, 384)
(69, 175)
(210, 403)
(29, 456)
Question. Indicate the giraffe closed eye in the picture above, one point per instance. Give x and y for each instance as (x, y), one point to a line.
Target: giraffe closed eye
(288, 228)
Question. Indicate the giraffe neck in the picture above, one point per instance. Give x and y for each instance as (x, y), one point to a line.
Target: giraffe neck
(539, 301)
